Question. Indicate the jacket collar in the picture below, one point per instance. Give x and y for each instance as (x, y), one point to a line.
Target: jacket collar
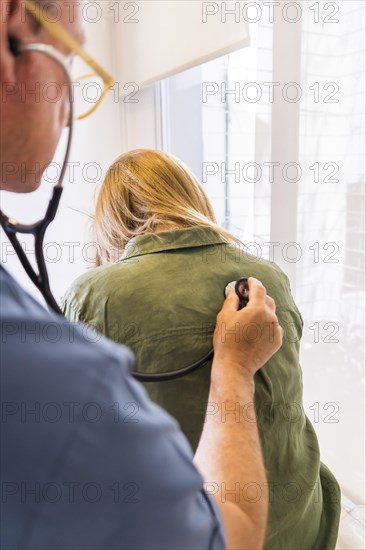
(188, 237)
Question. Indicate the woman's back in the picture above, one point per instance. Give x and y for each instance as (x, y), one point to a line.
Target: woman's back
(161, 299)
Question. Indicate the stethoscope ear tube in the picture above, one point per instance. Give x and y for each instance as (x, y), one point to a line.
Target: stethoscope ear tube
(38, 229)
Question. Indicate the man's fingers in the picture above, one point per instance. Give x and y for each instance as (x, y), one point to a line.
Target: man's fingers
(271, 303)
(257, 292)
(228, 286)
(257, 295)
(232, 299)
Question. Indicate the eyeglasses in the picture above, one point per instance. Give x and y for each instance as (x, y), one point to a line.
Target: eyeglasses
(60, 33)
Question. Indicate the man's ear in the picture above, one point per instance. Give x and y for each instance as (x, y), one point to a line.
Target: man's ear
(16, 27)
(11, 18)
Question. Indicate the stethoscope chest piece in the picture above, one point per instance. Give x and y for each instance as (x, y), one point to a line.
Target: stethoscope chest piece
(242, 290)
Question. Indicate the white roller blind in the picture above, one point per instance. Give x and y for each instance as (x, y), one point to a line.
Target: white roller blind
(158, 38)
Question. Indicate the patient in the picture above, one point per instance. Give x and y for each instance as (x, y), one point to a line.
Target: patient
(163, 265)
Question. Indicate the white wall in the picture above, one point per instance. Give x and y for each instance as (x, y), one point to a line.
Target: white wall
(329, 292)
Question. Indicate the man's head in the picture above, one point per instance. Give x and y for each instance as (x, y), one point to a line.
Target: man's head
(31, 116)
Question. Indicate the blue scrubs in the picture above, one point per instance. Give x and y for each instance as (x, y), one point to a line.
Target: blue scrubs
(87, 460)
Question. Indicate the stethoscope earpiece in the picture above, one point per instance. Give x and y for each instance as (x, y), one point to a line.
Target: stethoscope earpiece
(14, 45)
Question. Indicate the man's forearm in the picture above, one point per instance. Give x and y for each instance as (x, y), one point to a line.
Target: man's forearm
(229, 453)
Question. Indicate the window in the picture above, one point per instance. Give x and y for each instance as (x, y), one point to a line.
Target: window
(275, 133)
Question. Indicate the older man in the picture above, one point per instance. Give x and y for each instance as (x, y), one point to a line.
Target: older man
(87, 461)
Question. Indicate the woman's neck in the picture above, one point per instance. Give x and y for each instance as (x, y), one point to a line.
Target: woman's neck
(167, 226)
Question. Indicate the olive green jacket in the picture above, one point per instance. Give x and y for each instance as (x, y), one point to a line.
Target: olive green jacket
(161, 299)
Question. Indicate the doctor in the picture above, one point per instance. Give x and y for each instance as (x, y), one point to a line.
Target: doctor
(87, 461)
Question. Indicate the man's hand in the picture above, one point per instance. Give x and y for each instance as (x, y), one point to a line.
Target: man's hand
(229, 453)
(247, 338)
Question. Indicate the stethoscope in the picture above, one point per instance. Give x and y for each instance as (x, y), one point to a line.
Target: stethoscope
(38, 230)
(242, 290)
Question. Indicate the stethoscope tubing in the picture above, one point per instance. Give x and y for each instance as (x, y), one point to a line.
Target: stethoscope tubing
(38, 229)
